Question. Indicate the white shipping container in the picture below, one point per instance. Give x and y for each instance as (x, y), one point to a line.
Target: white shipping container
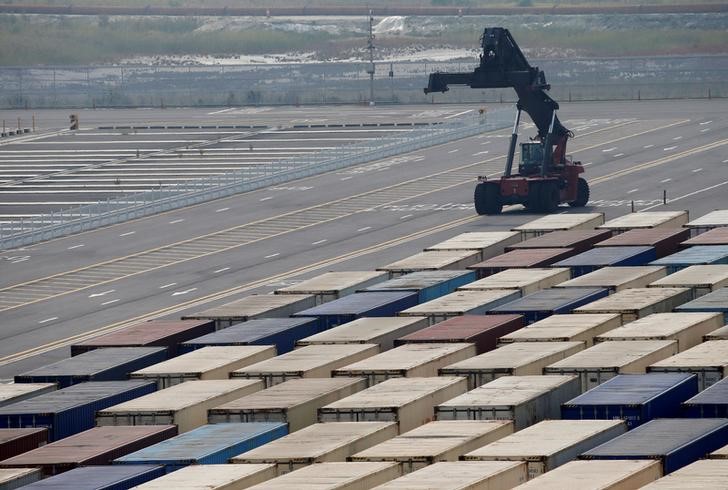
(525, 400)
(549, 444)
(638, 302)
(319, 443)
(436, 441)
(461, 303)
(15, 392)
(334, 285)
(687, 329)
(646, 220)
(433, 260)
(488, 243)
(212, 477)
(255, 306)
(702, 279)
(605, 360)
(703, 474)
(713, 219)
(408, 401)
(556, 222)
(517, 359)
(11, 478)
(295, 402)
(407, 361)
(622, 474)
(717, 334)
(527, 281)
(312, 361)
(214, 362)
(376, 330)
(709, 361)
(334, 476)
(618, 278)
(566, 328)
(462, 475)
(184, 405)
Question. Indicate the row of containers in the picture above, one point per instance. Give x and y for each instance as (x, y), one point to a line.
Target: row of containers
(532, 356)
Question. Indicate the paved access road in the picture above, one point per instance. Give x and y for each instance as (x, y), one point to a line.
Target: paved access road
(357, 218)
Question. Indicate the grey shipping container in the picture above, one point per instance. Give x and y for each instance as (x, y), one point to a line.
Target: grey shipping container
(334, 475)
(618, 278)
(557, 222)
(637, 303)
(488, 243)
(382, 331)
(714, 219)
(712, 402)
(717, 301)
(595, 258)
(12, 478)
(708, 360)
(666, 241)
(462, 303)
(565, 328)
(255, 306)
(427, 284)
(334, 285)
(716, 236)
(101, 477)
(702, 474)
(697, 255)
(526, 258)
(547, 302)
(579, 240)
(646, 220)
(433, 260)
(15, 392)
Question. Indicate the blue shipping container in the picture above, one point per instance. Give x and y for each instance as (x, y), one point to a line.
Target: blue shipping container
(111, 364)
(359, 305)
(100, 478)
(281, 332)
(634, 398)
(717, 301)
(712, 402)
(428, 284)
(547, 302)
(209, 444)
(676, 442)
(697, 255)
(71, 410)
(598, 257)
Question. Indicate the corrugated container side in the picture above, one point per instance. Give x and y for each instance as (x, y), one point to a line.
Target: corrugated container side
(717, 301)
(334, 285)
(12, 478)
(712, 402)
(618, 278)
(579, 240)
(666, 241)
(16, 392)
(100, 477)
(18, 441)
(598, 474)
(595, 258)
(462, 303)
(488, 243)
(697, 255)
(253, 307)
(558, 222)
(709, 361)
(335, 475)
(460, 475)
(565, 328)
(432, 260)
(704, 473)
(637, 303)
(521, 259)
(383, 331)
(542, 304)
(428, 284)
(358, 305)
(702, 279)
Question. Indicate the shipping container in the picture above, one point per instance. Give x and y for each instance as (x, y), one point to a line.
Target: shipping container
(549, 444)
(203, 364)
(334, 285)
(634, 398)
(436, 441)
(295, 402)
(714, 219)
(579, 240)
(674, 442)
(100, 477)
(527, 281)
(12, 478)
(637, 303)
(712, 402)
(184, 405)
(209, 444)
(697, 255)
(716, 236)
(112, 364)
(665, 241)
(382, 331)
(525, 400)
(334, 476)
(721, 453)
(565, 328)
(407, 361)
(71, 410)
(253, 307)
(18, 441)
(462, 303)
(319, 443)
(559, 222)
(604, 361)
(16, 392)
(281, 332)
(526, 258)
(687, 329)
(431, 261)
(597, 475)
(97, 446)
(547, 302)
(427, 284)
(154, 333)
(460, 475)
(359, 305)
(488, 243)
(717, 301)
(312, 361)
(517, 359)
(481, 330)
(618, 278)
(599, 257)
(409, 402)
(702, 279)
(700, 475)
(212, 477)
(648, 220)
(708, 360)
(717, 334)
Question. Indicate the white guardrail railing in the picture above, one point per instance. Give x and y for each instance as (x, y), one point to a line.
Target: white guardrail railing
(173, 196)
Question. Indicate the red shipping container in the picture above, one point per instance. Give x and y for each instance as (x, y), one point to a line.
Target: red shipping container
(716, 236)
(19, 441)
(97, 446)
(522, 259)
(483, 331)
(579, 240)
(154, 333)
(666, 241)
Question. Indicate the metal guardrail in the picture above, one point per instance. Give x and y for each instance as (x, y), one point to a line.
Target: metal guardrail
(174, 196)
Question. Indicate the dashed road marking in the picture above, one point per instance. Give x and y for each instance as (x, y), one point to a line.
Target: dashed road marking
(406, 216)
(266, 198)
(272, 255)
(221, 270)
(648, 146)
(174, 222)
(179, 293)
(669, 148)
(77, 246)
(320, 242)
(632, 191)
(619, 155)
(109, 302)
(347, 178)
(705, 122)
(664, 181)
(705, 130)
(221, 210)
(697, 170)
(128, 233)
(168, 285)
(455, 150)
(365, 228)
(48, 319)
(607, 150)
(677, 138)
(96, 295)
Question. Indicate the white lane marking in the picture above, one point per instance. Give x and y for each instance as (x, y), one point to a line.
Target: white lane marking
(458, 114)
(618, 155)
(49, 319)
(406, 216)
(677, 138)
(697, 170)
(663, 181)
(271, 256)
(221, 111)
(109, 302)
(648, 146)
(347, 178)
(633, 190)
(128, 233)
(221, 210)
(455, 150)
(480, 153)
(77, 246)
(687, 195)
(607, 150)
(168, 285)
(177, 293)
(176, 221)
(485, 143)
(221, 270)
(669, 148)
(705, 122)
(266, 198)
(320, 242)
(705, 130)
(96, 295)
(365, 228)
(725, 161)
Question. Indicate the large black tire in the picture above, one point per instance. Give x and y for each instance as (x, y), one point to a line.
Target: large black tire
(582, 194)
(549, 194)
(533, 201)
(487, 198)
